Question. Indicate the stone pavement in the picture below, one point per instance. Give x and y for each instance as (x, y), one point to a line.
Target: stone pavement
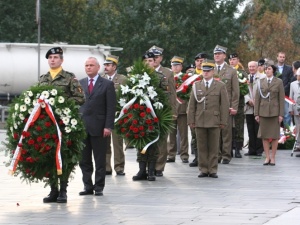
(246, 192)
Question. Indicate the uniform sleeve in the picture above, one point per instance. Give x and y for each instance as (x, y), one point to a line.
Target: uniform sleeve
(76, 91)
(224, 106)
(191, 109)
(235, 95)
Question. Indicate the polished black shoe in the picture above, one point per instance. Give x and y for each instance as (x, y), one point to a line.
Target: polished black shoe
(85, 192)
(249, 154)
(170, 160)
(225, 161)
(52, 197)
(108, 173)
(213, 175)
(203, 175)
(185, 161)
(98, 193)
(193, 164)
(237, 154)
(120, 173)
(159, 173)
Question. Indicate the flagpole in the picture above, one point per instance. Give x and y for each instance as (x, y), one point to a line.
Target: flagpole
(38, 21)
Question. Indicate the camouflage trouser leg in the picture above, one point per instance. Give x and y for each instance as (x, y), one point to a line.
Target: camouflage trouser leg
(239, 119)
(150, 155)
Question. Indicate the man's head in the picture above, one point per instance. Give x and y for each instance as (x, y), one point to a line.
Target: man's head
(110, 64)
(199, 58)
(208, 69)
(55, 57)
(190, 68)
(280, 58)
(158, 52)
(261, 65)
(92, 67)
(296, 66)
(149, 59)
(298, 74)
(219, 54)
(176, 64)
(252, 67)
(234, 59)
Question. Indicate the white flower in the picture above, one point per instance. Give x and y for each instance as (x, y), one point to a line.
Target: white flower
(74, 127)
(29, 93)
(142, 83)
(14, 115)
(67, 129)
(18, 122)
(53, 92)
(151, 92)
(27, 101)
(45, 94)
(146, 77)
(43, 105)
(21, 116)
(34, 102)
(23, 108)
(243, 80)
(122, 101)
(158, 105)
(61, 99)
(142, 102)
(58, 111)
(15, 126)
(73, 122)
(66, 120)
(132, 80)
(12, 131)
(125, 89)
(66, 111)
(139, 92)
(38, 95)
(30, 110)
(51, 101)
(16, 106)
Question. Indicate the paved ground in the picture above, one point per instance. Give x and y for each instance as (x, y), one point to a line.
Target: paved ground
(246, 192)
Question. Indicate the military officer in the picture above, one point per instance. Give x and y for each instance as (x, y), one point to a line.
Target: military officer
(110, 72)
(207, 114)
(181, 122)
(229, 76)
(239, 119)
(199, 58)
(163, 151)
(67, 81)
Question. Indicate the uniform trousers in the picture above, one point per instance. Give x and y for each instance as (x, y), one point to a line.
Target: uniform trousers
(226, 141)
(162, 154)
(208, 148)
(119, 157)
(255, 144)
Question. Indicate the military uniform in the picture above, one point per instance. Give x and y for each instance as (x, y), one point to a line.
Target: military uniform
(207, 111)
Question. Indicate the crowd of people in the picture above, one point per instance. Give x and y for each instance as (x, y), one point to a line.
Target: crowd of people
(221, 98)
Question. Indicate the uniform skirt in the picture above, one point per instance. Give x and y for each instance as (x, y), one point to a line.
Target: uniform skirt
(269, 127)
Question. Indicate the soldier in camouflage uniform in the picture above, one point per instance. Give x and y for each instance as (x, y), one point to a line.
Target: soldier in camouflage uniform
(72, 90)
(150, 157)
(239, 119)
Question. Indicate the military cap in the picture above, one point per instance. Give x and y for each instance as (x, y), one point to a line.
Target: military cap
(220, 48)
(261, 62)
(208, 65)
(190, 66)
(156, 50)
(148, 55)
(201, 56)
(111, 59)
(55, 50)
(176, 60)
(233, 55)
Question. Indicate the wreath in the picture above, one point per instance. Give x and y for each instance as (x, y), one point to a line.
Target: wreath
(44, 135)
(143, 111)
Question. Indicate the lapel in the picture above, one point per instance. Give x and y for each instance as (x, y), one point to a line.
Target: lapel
(211, 88)
(97, 85)
(85, 86)
(273, 82)
(222, 71)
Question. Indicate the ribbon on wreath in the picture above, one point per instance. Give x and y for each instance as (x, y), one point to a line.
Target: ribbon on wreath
(187, 82)
(32, 118)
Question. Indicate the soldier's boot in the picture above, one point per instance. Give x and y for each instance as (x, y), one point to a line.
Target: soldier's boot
(151, 169)
(52, 197)
(195, 161)
(62, 197)
(238, 149)
(141, 175)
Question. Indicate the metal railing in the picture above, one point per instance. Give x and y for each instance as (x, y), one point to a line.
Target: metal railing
(3, 113)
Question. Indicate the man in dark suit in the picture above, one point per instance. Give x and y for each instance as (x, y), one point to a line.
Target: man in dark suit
(286, 75)
(98, 114)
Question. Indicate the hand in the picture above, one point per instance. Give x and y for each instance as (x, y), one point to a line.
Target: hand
(106, 132)
(292, 113)
(251, 103)
(222, 126)
(257, 119)
(192, 125)
(174, 117)
(232, 111)
(280, 118)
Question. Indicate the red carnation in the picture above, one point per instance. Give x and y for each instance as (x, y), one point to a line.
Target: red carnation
(48, 124)
(38, 128)
(27, 170)
(142, 108)
(30, 141)
(20, 145)
(123, 130)
(148, 110)
(120, 122)
(150, 127)
(134, 122)
(125, 120)
(47, 136)
(127, 135)
(141, 128)
(125, 111)
(54, 136)
(130, 115)
(36, 147)
(25, 120)
(42, 116)
(24, 152)
(183, 91)
(175, 78)
(39, 139)
(135, 130)
(16, 136)
(69, 143)
(142, 134)
(29, 159)
(185, 77)
(155, 120)
(25, 134)
(142, 114)
(136, 106)
(131, 127)
(21, 158)
(136, 136)
(61, 122)
(148, 121)
(48, 147)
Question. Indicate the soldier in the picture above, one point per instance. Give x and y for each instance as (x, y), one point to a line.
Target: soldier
(239, 119)
(181, 122)
(72, 89)
(170, 86)
(207, 114)
(229, 76)
(110, 72)
(199, 58)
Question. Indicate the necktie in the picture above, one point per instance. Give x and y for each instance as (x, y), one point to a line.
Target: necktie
(269, 81)
(206, 86)
(251, 79)
(219, 68)
(91, 86)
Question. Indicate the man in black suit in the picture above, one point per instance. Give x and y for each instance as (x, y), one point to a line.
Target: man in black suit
(98, 114)
(286, 75)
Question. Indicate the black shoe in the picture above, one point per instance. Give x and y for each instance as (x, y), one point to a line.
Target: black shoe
(52, 197)
(108, 173)
(98, 193)
(248, 154)
(185, 161)
(193, 164)
(170, 160)
(298, 155)
(159, 173)
(120, 173)
(267, 163)
(85, 192)
(203, 175)
(225, 161)
(237, 154)
(213, 175)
